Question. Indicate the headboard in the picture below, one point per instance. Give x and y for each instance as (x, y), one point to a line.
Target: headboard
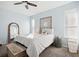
(46, 25)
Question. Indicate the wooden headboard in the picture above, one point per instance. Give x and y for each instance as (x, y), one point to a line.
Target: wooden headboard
(46, 24)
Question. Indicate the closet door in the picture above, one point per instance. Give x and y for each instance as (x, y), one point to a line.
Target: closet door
(72, 29)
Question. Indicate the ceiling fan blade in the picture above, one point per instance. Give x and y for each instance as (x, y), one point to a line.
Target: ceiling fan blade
(24, 1)
(26, 6)
(18, 3)
(32, 4)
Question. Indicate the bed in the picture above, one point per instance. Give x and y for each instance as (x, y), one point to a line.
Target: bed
(35, 44)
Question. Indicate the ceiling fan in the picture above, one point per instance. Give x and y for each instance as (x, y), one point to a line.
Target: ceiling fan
(27, 3)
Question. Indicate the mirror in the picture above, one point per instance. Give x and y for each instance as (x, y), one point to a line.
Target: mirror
(13, 31)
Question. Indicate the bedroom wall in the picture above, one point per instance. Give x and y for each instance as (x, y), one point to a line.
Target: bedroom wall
(58, 19)
(6, 17)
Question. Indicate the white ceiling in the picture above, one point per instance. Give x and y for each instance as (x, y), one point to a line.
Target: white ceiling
(41, 6)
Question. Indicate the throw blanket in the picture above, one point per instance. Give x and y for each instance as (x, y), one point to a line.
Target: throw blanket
(36, 44)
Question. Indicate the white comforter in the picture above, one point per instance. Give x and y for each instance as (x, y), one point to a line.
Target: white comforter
(35, 45)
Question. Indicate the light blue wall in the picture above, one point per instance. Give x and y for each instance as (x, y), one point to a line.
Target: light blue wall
(58, 19)
(6, 17)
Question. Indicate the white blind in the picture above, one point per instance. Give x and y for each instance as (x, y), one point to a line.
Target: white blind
(33, 26)
(71, 24)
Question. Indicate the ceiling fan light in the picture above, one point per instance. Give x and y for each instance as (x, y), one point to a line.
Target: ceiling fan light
(26, 6)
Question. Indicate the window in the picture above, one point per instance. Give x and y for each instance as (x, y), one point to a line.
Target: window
(33, 26)
(71, 30)
(71, 24)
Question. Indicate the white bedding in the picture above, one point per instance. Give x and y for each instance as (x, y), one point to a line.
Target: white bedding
(35, 44)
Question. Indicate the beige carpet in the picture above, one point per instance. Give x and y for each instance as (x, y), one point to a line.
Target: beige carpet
(49, 52)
